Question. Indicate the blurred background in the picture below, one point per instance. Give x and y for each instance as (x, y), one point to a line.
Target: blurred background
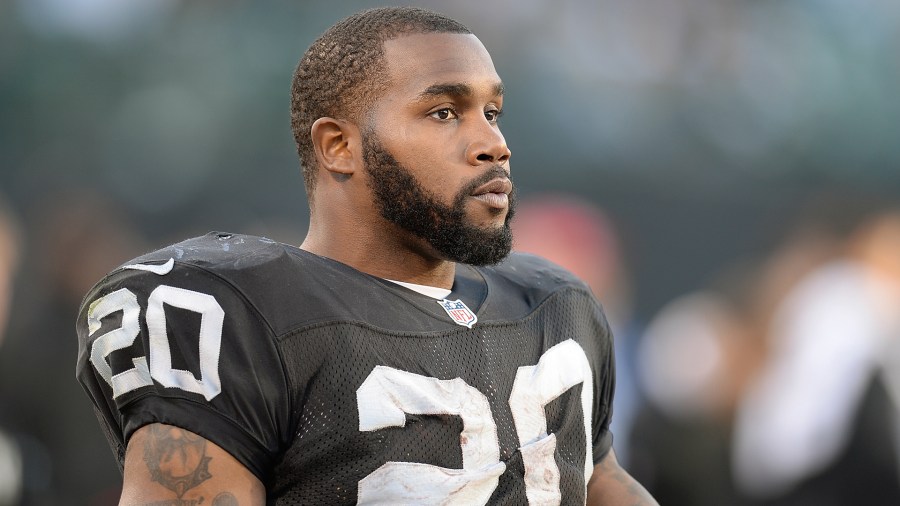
(724, 173)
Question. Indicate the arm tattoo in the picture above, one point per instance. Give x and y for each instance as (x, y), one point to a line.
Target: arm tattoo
(176, 458)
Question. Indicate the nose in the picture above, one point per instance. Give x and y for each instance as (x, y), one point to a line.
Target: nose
(488, 147)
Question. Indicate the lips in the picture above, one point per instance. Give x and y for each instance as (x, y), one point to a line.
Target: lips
(499, 185)
(494, 193)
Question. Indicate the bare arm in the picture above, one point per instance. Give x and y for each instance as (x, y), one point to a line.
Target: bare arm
(611, 485)
(169, 466)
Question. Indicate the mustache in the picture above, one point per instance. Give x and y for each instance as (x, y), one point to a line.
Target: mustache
(496, 171)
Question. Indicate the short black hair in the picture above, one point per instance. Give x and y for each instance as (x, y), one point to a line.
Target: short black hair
(343, 71)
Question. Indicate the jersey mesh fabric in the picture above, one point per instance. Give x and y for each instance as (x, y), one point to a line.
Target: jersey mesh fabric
(330, 455)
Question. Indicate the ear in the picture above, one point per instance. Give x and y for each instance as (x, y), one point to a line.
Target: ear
(337, 145)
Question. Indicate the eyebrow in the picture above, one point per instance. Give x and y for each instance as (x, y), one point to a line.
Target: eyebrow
(454, 90)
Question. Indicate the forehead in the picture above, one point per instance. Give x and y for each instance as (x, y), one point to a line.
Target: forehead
(417, 61)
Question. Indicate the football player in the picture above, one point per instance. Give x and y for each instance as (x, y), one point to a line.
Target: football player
(397, 356)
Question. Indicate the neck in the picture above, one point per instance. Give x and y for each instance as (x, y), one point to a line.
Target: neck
(380, 249)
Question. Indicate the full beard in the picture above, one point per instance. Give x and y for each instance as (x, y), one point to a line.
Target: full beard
(404, 202)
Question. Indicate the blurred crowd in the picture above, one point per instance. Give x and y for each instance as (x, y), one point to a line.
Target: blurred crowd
(54, 451)
(778, 382)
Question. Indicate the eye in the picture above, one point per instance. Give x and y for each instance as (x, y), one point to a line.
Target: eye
(493, 115)
(444, 114)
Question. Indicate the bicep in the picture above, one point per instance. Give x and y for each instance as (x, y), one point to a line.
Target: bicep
(610, 484)
(170, 465)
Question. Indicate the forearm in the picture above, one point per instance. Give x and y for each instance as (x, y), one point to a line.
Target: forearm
(610, 485)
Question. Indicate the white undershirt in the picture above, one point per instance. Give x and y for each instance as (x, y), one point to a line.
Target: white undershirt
(428, 291)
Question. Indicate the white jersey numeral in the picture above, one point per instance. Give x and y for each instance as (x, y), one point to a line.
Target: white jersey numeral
(384, 398)
(160, 366)
(559, 369)
(120, 338)
(388, 394)
(210, 340)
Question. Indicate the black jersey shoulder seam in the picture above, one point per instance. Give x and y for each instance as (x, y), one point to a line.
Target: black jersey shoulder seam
(300, 329)
(234, 288)
(577, 286)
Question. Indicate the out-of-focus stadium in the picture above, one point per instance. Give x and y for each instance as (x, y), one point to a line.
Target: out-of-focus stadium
(724, 173)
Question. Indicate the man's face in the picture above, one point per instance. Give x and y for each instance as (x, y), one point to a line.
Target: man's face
(404, 202)
(438, 165)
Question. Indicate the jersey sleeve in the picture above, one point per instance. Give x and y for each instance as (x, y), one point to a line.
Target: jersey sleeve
(184, 348)
(604, 369)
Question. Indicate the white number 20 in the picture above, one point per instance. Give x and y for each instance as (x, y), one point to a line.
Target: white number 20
(388, 394)
(160, 365)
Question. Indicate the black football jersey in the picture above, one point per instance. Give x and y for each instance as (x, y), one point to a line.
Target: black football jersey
(337, 387)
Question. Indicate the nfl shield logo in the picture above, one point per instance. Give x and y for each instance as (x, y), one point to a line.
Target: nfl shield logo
(460, 313)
